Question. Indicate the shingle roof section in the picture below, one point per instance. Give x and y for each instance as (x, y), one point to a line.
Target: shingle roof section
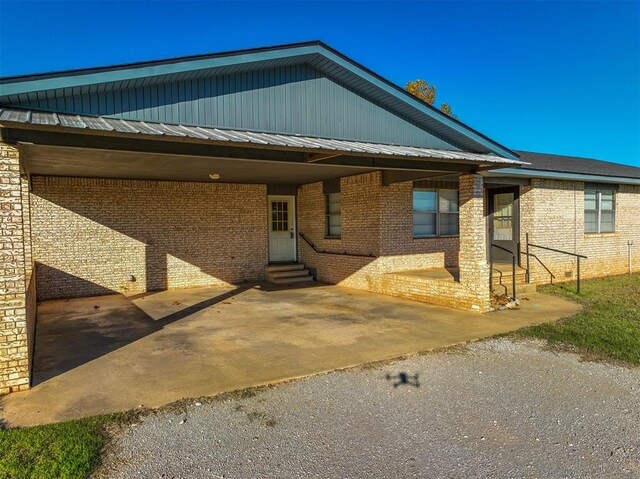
(572, 164)
(241, 137)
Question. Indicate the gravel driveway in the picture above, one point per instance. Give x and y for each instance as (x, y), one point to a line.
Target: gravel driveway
(492, 409)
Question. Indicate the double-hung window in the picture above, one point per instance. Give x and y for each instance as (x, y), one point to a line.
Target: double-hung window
(599, 209)
(435, 212)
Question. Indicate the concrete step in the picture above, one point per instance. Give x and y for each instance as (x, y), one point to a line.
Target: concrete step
(294, 280)
(507, 268)
(284, 267)
(507, 280)
(507, 275)
(521, 288)
(287, 274)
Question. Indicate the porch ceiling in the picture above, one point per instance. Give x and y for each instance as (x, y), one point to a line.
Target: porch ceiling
(102, 163)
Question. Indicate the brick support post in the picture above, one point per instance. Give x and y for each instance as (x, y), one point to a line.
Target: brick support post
(14, 355)
(474, 270)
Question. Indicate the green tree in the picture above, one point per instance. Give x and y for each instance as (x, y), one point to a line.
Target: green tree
(426, 92)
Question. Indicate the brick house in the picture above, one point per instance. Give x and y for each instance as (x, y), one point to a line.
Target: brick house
(289, 164)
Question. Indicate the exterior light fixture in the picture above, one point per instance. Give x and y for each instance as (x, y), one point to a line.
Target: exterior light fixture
(214, 176)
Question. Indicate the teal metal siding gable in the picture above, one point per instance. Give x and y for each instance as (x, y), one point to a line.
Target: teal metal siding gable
(28, 89)
(292, 99)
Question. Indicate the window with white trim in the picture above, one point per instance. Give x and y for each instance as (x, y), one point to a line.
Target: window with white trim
(333, 215)
(599, 210)
(435, 212)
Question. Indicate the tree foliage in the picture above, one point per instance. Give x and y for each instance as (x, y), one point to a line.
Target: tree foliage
(422, 90)
(426, 92)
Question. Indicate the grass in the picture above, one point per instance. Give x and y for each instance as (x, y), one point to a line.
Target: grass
(66, 450)
(607, 328)
(73, 449)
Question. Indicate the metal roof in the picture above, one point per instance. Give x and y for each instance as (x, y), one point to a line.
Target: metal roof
(11, 117)
(24, 89)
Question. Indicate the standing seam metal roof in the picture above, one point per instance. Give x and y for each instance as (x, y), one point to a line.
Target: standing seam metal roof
(219, 135)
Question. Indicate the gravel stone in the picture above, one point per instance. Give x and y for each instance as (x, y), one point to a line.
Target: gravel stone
(496, 408)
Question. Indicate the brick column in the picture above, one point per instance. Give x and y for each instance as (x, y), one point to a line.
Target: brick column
(474, 270)
(14, 356)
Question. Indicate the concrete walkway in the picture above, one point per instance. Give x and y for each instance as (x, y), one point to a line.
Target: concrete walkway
(113, 353)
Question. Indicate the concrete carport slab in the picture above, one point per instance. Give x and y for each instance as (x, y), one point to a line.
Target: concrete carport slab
(113, 353)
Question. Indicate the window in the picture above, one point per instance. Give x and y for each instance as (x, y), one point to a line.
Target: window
(599, 210)
(435, 212)
(333, 210)
(503, 216)
(279, 216)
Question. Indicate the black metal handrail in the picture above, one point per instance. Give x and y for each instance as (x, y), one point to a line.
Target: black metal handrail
(576, 255)
(553, 276)
(506, 290)
(319, 251)
(513, 268)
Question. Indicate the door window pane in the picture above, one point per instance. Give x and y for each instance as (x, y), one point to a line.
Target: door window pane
(503, 217)
(279, 216)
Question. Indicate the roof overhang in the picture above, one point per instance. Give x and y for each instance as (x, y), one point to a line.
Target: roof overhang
(73, 145)
(556, 175)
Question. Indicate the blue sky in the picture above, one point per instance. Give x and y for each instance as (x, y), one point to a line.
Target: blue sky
(557, 77)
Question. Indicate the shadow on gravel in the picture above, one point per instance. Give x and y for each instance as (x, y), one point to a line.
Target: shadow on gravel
(404, 379)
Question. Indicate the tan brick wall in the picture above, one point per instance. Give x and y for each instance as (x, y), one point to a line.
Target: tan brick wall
(397, 237)
(474, 270)
(378, 220)
(444, 293)
(90, 235)
(552, 212)
(15, 308)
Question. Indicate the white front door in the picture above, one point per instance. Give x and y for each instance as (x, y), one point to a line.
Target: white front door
(282, 234)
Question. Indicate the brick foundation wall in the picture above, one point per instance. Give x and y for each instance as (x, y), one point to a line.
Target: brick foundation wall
(17, 307)
(90, 235)
(552, 212)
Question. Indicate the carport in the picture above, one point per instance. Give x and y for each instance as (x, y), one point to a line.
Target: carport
(112, 353)
(203, 172)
